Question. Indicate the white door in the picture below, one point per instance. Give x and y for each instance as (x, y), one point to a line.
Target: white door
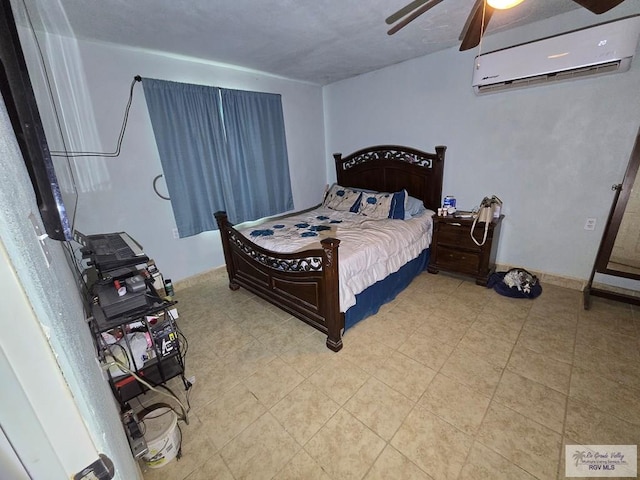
(44, 434)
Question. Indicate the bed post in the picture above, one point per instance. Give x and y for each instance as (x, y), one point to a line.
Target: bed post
(221, 218)
(438, 170)
(333, 317)
(440, 149)
(337, 157)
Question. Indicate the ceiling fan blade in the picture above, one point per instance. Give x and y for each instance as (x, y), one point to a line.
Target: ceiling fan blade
(410, 18)
(599, 6)
(404, 11)
(474, 27)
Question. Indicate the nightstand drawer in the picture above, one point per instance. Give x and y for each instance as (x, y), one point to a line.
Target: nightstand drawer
(459, 235)
(459, 261)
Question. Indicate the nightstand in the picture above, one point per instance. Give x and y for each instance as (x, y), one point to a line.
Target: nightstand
(453, 250)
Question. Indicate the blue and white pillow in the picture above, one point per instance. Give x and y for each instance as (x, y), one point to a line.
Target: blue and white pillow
(399, 205)
(342, 199)
(383, 205)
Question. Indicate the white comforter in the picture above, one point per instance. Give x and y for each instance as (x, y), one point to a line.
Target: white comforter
(369, 249)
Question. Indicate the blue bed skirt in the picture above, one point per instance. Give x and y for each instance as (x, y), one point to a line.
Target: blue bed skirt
(369, 301)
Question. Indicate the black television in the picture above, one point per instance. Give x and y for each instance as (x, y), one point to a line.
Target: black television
(20, 101)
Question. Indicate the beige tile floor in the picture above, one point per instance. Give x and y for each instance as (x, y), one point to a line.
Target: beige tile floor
(448, 381)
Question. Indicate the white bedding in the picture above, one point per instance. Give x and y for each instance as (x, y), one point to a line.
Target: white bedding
(369, 249)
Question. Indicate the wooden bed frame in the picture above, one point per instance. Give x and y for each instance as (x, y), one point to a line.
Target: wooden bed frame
(305, 284)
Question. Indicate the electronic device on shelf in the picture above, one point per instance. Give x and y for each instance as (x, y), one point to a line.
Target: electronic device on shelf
(135, 284)
(111, 251)
(114, 303)
(165, 337)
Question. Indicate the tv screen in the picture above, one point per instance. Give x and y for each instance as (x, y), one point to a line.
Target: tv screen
(20, 101)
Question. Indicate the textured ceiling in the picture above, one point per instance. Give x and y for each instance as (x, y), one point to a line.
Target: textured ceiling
(320, 41)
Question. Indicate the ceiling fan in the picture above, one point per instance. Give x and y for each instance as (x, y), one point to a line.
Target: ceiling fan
(479, 17)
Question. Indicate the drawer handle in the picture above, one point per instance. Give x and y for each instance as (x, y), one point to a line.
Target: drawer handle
(455, 224)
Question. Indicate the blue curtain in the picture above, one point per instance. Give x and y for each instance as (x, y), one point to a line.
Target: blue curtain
(258, 158)
(220, 150)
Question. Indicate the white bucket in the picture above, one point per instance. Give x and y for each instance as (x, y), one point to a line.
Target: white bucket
(162, 436)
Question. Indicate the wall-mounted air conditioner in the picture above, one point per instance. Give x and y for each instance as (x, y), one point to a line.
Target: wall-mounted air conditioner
(604, 48)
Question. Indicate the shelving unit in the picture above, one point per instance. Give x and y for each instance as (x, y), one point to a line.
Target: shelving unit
(145, 341)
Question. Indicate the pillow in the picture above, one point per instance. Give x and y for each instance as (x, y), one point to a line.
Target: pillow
(413, 207)
(399, 205)
(383, 205)
(342, 199)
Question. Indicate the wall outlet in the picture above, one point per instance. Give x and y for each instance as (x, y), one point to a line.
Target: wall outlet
(590, 224)
(175, 233)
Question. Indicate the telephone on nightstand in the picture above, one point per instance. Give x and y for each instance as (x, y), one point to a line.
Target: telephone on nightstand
(489, 209)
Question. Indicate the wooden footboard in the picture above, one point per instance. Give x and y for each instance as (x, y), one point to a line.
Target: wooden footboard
(305, 284)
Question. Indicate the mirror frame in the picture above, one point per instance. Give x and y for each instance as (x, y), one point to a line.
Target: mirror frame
(618, 208)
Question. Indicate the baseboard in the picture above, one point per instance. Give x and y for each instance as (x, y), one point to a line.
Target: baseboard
(557, 280)
(208, 275)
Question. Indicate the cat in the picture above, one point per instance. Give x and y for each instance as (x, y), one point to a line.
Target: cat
(521, 279)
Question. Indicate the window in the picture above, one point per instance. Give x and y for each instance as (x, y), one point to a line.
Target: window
(220, 149)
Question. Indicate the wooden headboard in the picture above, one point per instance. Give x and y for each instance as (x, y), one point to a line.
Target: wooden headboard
(390, 168)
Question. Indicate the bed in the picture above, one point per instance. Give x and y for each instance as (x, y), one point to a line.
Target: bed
(306, 283)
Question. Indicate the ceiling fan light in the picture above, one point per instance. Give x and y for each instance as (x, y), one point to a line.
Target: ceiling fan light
(503, 4)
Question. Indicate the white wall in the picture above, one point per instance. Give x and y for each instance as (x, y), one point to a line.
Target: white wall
(551, 153)
(116, 193)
